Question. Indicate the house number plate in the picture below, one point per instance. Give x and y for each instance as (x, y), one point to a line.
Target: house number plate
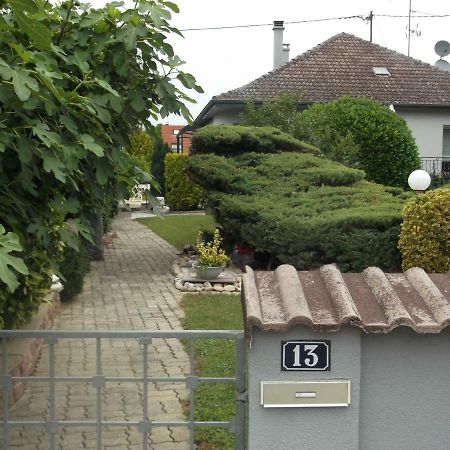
(305, 355)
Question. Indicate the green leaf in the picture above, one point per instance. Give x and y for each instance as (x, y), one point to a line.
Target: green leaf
(68, 122)
(49, 138)
(55, 165)
(172, 6)
(5, 70)
(137, 103)
(38, 33)
(89, 143)
(105, 85)
(9, 242)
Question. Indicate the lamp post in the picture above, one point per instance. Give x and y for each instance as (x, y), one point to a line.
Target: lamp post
(419, 181)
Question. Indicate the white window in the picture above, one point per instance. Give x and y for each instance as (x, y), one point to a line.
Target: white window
(175, 132)
(174, 147)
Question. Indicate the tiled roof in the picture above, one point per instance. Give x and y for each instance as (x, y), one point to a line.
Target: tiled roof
(326, 299)
(343, 65)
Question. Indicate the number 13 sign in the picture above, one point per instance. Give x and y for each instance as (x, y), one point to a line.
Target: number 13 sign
(305, 355)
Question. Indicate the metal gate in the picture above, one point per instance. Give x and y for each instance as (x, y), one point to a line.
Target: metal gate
(100, 380)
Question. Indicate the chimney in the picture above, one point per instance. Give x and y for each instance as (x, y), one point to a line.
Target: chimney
(278, 54)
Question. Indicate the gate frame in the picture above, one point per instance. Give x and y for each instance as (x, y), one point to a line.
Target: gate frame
(144, 337)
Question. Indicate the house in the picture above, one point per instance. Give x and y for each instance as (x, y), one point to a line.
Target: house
(348, 65)
(177, 142)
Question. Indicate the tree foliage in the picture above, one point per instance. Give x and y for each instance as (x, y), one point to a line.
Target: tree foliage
(74, 82)
(379, 140)
(425, 233)
(357, 132)
(160, 150)
(140, 148)
(182, 194)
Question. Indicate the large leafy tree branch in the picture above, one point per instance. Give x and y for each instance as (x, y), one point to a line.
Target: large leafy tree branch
(74, 82)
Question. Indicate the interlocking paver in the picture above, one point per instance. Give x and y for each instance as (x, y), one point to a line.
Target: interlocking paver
(130, 289)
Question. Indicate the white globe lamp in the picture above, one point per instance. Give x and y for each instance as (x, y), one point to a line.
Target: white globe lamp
(419, 180)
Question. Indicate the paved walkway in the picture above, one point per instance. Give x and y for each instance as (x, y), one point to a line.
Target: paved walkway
(131, 289)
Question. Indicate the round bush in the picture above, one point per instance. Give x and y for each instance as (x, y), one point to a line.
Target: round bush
(425, 233)
(385, 147)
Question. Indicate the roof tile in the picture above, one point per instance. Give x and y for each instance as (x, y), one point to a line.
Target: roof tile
(326, 299)
(343, 65)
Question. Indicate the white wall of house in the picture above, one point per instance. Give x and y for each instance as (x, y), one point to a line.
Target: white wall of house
(427, 126)
(228, 116)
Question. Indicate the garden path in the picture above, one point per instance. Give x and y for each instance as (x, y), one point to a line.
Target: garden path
(130, 289)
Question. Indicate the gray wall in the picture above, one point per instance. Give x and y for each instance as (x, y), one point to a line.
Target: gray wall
(303, 428)
(427, 125)
(404, 403)
(405, 391)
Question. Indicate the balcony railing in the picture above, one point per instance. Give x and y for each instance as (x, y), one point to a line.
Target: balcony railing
(437, 166)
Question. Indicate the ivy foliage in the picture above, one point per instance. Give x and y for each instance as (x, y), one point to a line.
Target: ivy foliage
(74, 82)
(302, 209)
(425, 233)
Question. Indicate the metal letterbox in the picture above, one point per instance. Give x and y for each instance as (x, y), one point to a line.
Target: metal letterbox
(304, 394)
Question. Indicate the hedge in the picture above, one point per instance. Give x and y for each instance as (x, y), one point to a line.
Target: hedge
(425, 233)
(224, 139)
(302, 209)
(181, 193)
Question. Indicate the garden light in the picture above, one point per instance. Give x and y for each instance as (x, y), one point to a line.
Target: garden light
(419, 180)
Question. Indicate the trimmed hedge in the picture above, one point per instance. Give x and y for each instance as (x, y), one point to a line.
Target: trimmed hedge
(303, 210)
(181, 193)
(227, 140)
(425, 232)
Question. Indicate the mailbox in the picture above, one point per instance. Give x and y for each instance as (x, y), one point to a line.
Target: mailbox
(351, 361)
(305, 394)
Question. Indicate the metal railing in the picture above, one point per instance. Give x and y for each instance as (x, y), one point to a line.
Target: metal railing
(99, 381)
(436, 166)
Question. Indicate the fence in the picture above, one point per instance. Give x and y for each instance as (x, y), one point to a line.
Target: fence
(437, 166)
(99, 381)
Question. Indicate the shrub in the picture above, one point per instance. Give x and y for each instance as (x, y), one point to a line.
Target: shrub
(140, 148)
(181, 193)
(425, 233)
(73, 268)
(225, 140)
(279, 112)
(160, 150)
(387, 151)
(302, 209)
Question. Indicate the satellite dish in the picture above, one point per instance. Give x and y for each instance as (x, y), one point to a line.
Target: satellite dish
(442, 64)
(442, 48)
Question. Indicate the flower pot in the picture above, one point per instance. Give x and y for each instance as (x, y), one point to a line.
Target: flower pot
(208, 273)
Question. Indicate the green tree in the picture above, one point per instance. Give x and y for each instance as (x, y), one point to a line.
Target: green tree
(160, 150)
(364, 133)
(140, 148)
(280, 112)
(74, 82)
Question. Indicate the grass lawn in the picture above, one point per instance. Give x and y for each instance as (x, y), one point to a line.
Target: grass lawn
(214, 357)
(181, 229)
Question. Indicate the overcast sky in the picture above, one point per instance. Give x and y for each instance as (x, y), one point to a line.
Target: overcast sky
(226, 59)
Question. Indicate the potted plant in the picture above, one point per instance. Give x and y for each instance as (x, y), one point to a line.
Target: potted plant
(211, 257)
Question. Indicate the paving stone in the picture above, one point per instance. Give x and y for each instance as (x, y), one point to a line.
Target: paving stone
(131, 289)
